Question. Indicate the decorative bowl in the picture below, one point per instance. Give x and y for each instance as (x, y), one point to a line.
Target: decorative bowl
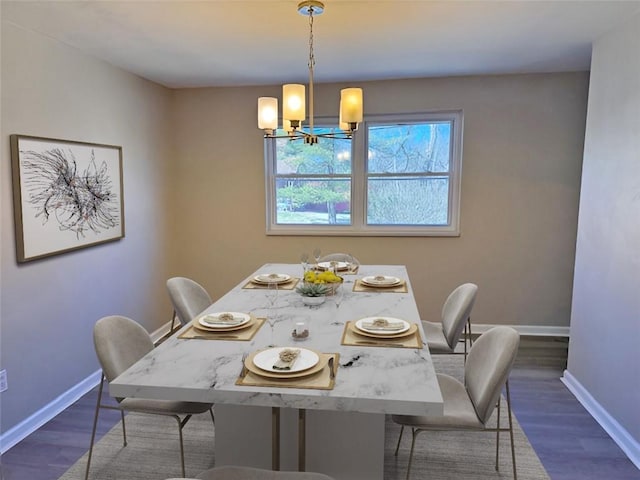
(333, 286)
(313, 301)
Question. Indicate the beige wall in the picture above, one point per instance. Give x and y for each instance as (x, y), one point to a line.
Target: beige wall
(605, 321)
(194, 195)
(523, 144)
(49, 306)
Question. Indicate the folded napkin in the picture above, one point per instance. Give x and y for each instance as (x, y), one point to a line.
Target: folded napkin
(383, 324)
(222, 319)
(286, 359)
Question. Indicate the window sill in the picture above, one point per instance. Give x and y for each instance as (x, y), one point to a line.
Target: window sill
(350, 231)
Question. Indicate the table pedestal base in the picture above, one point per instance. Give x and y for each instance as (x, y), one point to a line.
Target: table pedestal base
(343, 445)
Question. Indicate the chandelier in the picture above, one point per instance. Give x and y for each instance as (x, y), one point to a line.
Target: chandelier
(293, 100)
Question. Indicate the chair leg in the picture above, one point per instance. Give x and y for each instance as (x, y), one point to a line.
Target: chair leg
(124, 429)
(414, 434)
(173, 320)
(467, 336)
(213, 419)
(95, 424)
(399, 438)
(513, 449)
(498, 434)
(181, 424)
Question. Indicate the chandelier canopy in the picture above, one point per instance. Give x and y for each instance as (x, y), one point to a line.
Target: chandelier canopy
(293, 100)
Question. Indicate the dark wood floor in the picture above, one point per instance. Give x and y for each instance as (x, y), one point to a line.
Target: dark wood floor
(571, 445)
(569, 442)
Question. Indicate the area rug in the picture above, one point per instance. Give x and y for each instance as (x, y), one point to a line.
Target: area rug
(153, 452)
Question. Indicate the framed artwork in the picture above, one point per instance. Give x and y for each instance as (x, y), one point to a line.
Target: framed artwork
(66, 195)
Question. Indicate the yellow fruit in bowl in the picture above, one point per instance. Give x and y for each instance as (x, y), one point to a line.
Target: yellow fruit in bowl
(328, 277)
(321, 277)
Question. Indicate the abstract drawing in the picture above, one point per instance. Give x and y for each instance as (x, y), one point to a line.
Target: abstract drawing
(67, 195)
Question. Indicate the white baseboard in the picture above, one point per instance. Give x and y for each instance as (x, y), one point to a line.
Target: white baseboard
(18, 433)
(617, 432)
(25, 428)
(531, 330)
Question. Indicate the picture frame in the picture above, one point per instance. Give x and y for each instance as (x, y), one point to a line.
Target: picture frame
(67, 195)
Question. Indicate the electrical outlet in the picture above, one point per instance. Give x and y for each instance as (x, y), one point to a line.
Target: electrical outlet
(3, 381)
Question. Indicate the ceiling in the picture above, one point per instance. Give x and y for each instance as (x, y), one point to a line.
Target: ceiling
(180, 43)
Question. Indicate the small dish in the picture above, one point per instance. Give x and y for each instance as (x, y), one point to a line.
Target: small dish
(267, 358)
(413, 329)
(360, 325)
(381, 281)
(267, 278)
(339, 266)
(285, 376)
(212, 320)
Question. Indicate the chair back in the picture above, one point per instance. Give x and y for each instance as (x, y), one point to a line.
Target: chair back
(338, 257)
(487, 369)
(119, 342)
(187, 297)
(456, 311)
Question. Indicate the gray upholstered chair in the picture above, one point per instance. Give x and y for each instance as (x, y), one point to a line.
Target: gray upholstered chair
(248, 473)
(120, 342)
(444, 336)
(335, 257)
(469, 406)
(188, 298)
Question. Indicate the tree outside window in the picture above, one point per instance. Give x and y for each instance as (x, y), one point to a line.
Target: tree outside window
(399, 175)
(313, 181)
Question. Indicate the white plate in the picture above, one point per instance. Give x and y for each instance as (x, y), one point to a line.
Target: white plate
(266, 359)
(387, 281)
(406, 325)
(267, 278)
(209, 320)
(338, 265)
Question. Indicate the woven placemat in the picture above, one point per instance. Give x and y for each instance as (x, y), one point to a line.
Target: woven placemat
(242, 335)
(322, 380)
(351, 337)
(290, 285)
(358, 286)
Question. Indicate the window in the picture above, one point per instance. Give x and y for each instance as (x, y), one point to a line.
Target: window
(399, 175)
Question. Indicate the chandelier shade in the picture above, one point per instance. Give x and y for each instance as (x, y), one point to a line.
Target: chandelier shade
(294, 101)
(268, 113)
(351, 105)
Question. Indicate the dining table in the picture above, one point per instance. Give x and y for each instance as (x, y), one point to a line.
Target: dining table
(336, 427)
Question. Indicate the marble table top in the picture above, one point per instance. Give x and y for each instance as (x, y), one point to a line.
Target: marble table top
(370, 379)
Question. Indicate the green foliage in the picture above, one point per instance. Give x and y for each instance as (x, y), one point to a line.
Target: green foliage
(313, 289)
(422, 149)
(328, 157)
(312, 192)
(424, 202)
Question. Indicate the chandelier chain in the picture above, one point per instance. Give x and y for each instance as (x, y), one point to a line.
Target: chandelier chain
(312, 59)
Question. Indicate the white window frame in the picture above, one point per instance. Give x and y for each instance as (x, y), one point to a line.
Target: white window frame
(358, 225)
